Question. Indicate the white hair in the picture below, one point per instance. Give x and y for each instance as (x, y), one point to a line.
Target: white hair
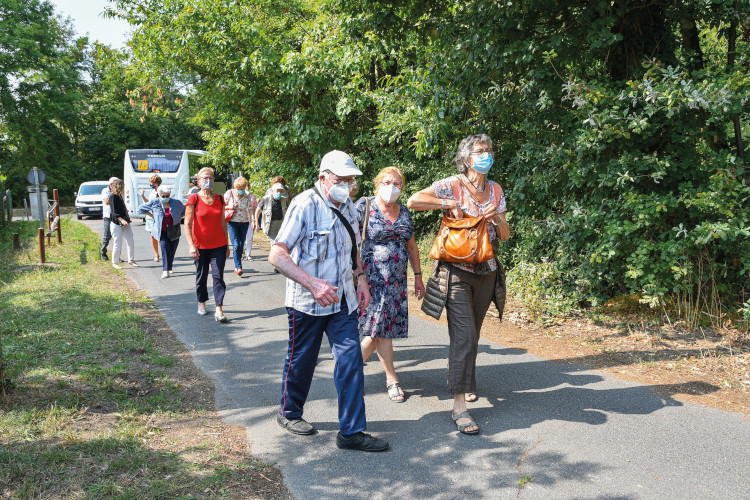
(164, 190)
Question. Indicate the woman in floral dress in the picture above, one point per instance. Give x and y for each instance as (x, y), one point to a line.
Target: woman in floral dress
(388, 243)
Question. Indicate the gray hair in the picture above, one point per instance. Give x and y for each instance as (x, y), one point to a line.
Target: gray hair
(164, 190)
(464, 149)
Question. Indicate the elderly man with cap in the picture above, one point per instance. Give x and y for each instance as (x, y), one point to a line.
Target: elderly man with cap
(315, 249)
(106, 212)
(273, 205)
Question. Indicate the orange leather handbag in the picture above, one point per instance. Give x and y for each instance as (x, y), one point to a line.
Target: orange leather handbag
(463, 241)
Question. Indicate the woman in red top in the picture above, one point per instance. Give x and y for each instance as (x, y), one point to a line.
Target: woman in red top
(206, 233)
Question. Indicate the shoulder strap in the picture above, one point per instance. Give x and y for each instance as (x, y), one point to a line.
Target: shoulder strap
(364, 223)
(346, 225)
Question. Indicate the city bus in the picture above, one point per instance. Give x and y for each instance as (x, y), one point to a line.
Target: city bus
(174, 166)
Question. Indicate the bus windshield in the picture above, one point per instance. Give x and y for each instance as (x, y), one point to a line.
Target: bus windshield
(155, 162)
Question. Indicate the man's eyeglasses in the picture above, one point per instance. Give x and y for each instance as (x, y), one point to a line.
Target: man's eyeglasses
(481, 151)
(335, 179)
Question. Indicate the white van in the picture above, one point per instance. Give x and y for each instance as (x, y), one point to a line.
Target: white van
(174, 166)
(89, 198)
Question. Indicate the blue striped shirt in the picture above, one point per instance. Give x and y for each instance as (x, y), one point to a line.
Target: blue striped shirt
(320, 245)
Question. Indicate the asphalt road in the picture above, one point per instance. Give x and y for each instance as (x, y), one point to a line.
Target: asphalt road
(575, 433)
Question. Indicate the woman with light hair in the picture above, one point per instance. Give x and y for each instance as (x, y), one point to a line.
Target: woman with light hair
(238, 203)
(167, 213)
(387, 244)
(119, 225)
(206, 233)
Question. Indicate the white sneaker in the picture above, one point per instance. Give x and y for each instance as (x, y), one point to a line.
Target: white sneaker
(133, 263)
(117, 266)
(165, 274)
(171, 273)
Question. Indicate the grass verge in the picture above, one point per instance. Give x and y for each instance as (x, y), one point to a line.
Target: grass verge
(101, 399)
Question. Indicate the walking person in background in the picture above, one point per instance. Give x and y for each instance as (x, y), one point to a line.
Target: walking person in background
(273, 206)
(193, 185)
(206, 234)
(388, 241)
(238, 208)
(280, 180)
(106, 217)
(155, 181)
(167, 213)
(253, 226)
(315, 249)
(465, 290)
(120, 225)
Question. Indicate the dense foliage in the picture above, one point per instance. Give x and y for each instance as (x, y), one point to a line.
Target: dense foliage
(63, 104)
(619, 126)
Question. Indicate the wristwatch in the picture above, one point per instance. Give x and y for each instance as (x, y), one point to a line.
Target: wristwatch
(357, 276)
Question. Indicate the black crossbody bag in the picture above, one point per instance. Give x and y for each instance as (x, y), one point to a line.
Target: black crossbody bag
(347, 226)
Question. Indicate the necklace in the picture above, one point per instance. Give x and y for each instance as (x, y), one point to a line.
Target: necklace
(475, 186)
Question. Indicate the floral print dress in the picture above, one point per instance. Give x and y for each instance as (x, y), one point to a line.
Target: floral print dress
(385, 261)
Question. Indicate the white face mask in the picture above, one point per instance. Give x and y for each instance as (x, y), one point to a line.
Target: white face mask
(339, 192)
(389, 193)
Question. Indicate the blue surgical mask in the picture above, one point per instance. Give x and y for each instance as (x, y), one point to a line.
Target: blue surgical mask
(482, 163)
(240, 192)
(165, 200)
(152, 186)
(277, 196)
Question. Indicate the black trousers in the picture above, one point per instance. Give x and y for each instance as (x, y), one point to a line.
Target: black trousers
(106, 236)
(469, 297)
(210, 261)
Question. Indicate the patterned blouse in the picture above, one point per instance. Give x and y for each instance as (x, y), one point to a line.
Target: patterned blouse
(453, 189)
(243, 206)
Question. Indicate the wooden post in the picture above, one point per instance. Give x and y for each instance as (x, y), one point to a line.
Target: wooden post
(16, 241)
(41, 246)
(56, 197)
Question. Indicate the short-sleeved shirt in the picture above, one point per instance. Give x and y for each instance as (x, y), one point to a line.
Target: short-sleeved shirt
(208, 231)
(321, 246)
(106, 210)
(242, 205)
(453, 189)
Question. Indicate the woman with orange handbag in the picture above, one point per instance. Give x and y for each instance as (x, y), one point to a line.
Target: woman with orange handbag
(465, 288)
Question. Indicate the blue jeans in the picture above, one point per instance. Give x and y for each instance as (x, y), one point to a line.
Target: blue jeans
(305, 337)
(168, 249)
(237, 234)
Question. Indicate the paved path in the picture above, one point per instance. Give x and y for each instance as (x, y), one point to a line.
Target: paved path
(578, 433)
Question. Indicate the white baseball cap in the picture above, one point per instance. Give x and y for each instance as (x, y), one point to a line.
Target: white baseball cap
(277, 186)
(339, 163)
(112, 179)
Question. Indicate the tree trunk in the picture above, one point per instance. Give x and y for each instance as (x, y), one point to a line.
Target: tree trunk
(731, 57)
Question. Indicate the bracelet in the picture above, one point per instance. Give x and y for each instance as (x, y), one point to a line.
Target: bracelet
(442, 204)
(418, 274)
(358, 275)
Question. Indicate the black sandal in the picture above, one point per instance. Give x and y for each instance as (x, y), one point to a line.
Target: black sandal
(462, 428)
(395, 392)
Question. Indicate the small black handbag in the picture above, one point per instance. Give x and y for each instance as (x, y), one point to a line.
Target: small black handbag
(174, 232)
